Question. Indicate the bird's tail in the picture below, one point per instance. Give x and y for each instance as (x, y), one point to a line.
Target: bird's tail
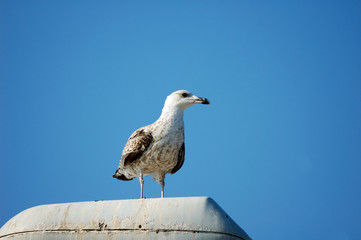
(121, 176)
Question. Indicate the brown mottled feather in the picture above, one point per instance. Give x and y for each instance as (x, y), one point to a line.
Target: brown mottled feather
(180, 162)
(137, 144)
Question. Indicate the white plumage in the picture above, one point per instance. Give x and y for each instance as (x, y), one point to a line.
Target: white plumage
(158, 148)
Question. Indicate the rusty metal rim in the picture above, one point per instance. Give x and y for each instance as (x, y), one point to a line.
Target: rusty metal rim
(121, 230)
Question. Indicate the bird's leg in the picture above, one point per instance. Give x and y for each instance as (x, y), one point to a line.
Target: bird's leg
(141, 184)
(162, 186)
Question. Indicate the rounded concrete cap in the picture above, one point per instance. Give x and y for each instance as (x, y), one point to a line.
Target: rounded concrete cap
(160, 218)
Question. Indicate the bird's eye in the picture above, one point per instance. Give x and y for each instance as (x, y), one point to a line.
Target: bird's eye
(185, 94)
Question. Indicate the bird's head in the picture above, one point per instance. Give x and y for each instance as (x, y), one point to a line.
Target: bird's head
(183, 99)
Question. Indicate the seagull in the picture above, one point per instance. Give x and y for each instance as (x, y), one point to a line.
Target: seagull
(158, 148)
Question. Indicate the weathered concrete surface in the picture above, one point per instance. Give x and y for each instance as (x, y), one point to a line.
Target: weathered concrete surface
(167, 218)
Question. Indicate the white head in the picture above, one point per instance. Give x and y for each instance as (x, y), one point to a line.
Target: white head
(183, 99)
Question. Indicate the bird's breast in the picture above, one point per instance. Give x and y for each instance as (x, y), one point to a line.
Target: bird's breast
(163, 154)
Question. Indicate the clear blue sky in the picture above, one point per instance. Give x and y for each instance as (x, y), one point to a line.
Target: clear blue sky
(279, 148)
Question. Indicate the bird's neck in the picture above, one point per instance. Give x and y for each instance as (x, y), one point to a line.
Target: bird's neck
(170, 121)
(171, 113)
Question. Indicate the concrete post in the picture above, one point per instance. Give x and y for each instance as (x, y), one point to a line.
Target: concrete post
(167, 218)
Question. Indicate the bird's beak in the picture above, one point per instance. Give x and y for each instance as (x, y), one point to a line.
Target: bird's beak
(202, 100)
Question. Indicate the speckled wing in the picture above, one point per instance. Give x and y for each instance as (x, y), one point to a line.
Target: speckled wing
(180, 159)
(137, 144)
